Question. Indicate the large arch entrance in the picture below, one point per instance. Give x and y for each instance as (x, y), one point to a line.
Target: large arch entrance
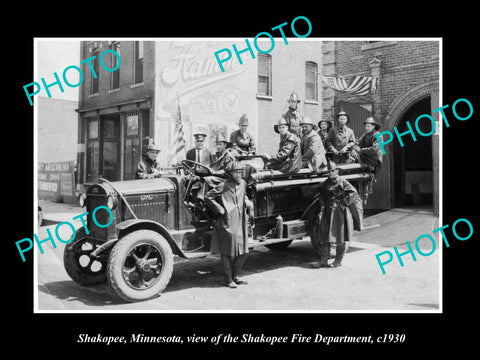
(413, 163)
(413, 169)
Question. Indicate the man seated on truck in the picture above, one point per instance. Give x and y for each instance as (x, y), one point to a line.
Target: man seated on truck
(366, 150)
(225, 158)
(340, 140)
(148, 168)
(313, 153)
(288, 157)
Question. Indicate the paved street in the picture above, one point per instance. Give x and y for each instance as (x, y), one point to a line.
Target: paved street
(277, 280)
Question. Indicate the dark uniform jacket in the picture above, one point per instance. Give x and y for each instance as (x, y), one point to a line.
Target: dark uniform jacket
(229, 236)
(323, 136)
(223, 162)
(367, 150)
(293, 118)
(243, 142)
(145, 169)
(313, 153)
(206, 158)
(340, 213)
(289, 157)
(338, 139)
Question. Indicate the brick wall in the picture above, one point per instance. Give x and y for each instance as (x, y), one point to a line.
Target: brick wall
(126, 91)
(408, 71)
(404, 64)
(57, 130)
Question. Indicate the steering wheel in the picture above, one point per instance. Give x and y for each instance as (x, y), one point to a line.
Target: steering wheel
(196, 168)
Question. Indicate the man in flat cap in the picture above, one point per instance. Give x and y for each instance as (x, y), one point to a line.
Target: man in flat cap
(199, 153)
(241, 140)
(147, 167)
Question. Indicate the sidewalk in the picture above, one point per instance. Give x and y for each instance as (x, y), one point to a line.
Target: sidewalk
(54, 212)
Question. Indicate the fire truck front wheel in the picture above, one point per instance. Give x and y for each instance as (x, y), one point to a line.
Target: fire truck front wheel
(140, 265)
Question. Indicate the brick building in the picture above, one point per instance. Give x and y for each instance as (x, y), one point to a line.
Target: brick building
(55, 115)
(408, 74)
(164, 82)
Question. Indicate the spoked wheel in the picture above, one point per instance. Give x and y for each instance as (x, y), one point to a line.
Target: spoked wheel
(140, 265)
(82, 268)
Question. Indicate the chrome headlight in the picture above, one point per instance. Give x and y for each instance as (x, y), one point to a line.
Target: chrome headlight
(111, 202)
(81, 200)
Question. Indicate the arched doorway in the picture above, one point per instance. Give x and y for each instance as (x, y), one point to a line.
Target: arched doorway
(413, 163)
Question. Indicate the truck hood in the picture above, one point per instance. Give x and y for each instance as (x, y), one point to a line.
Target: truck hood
(130, 187)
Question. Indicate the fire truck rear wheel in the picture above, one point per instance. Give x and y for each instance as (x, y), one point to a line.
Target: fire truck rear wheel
(79, 265)
(140, 265)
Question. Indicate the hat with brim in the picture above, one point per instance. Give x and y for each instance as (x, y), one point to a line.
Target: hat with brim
(343, 113)
(153, 147)
(371, 120)
(307, 121)
(221, 138)
(243, 120)
(294, 98)
(328, 122)
(281, 121)
(200, 136)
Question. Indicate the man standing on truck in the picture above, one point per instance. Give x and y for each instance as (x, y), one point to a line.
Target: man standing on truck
(228, 201)
(293, 115)
(339, 214)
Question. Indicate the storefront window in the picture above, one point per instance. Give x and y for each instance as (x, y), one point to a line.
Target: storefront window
(131, 146)
(92, 161)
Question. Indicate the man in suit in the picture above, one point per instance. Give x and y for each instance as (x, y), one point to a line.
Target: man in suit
(199, 153)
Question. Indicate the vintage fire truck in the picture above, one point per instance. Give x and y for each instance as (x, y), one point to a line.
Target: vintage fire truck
(158, 220)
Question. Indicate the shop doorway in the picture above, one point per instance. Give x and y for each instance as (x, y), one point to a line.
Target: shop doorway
(413, 163)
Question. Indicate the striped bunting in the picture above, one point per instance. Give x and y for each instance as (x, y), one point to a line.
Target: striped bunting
(357, 85)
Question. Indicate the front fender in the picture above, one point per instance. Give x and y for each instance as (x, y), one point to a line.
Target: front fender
(131, 225)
